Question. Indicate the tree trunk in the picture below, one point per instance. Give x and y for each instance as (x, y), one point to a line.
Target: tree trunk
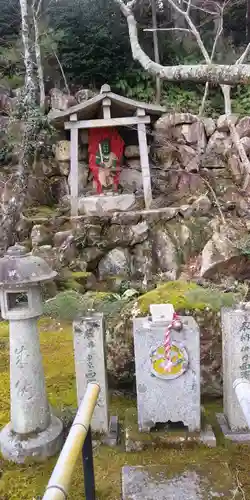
(15, 192)
(226, 91)
(156, 51)
(30, 81)
(39, 60)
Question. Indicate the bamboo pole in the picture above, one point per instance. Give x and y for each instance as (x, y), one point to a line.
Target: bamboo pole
(59, 482)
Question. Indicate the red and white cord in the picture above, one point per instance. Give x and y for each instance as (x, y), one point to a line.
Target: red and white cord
(167, 344)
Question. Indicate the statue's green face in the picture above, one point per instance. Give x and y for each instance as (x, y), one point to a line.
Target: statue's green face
(105, 146)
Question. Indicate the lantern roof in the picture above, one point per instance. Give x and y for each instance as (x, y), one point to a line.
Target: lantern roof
(19, 268)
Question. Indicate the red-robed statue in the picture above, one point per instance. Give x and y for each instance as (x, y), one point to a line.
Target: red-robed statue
(105, 157)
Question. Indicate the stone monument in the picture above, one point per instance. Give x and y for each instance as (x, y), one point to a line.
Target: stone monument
(33, 431)
(167, 396)
(90, 365)
(167, 361)
(235, 323)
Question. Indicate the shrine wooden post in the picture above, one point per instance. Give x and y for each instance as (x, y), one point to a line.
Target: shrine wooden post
(145, 171)
(74, 166)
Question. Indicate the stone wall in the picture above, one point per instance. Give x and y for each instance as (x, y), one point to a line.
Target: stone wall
(143, 246)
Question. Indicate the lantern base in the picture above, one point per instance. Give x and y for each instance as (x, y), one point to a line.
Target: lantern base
(36, 447)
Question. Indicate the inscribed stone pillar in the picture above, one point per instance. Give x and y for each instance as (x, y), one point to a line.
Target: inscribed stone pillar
(90, 365)
(235, 325)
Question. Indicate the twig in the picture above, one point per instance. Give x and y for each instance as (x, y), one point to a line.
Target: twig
(62, 71)
(239, 487)
(216, 200)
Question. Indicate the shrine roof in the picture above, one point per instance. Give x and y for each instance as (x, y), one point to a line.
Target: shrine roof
(90, 109)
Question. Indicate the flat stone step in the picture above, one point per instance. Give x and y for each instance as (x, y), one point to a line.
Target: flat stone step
(214, 480)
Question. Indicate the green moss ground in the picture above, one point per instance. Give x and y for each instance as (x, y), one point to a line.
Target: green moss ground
(29, 481)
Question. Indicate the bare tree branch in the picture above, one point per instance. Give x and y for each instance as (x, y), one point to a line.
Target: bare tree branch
(213, 73)
(167, 29)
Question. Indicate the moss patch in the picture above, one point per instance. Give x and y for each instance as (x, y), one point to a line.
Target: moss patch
(29, 481)
(40, 211)
(186, 296)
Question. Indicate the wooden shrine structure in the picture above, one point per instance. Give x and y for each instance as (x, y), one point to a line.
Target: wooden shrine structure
(107, 110)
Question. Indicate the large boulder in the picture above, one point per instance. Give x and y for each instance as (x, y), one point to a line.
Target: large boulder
(131, 180)
(59, 188)
(172, 120)
(223, 122)
(40, 235)
(143, 262)
(166, 253)
(226, 253)
(192, 134)
(243, 127)
(84, 95)
(116, 262)
(60, 101)
(62, 151)
(218, 144)
(188, 158)
(209, 124)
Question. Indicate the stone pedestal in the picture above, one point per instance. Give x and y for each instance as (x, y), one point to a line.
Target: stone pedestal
(235, 323)
(37, 446)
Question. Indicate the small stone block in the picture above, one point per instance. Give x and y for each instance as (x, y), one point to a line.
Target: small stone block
(208, 437)
(236, 437)
(161, 312)
(112, 438)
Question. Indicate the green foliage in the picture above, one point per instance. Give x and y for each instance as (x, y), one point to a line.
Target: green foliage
(137, 84)
(241, 100)
(95, 47)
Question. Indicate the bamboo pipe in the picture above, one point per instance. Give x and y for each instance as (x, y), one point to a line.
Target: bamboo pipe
(59, 482)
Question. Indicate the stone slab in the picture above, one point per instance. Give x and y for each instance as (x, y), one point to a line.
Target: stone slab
(236, 437)
(192, 483)
(37, 447)
(160, 400)
(90, 365)
(235, 325)
(99, 205)
(138, 441)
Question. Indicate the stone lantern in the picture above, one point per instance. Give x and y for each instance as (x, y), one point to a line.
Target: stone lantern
(33, 431)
